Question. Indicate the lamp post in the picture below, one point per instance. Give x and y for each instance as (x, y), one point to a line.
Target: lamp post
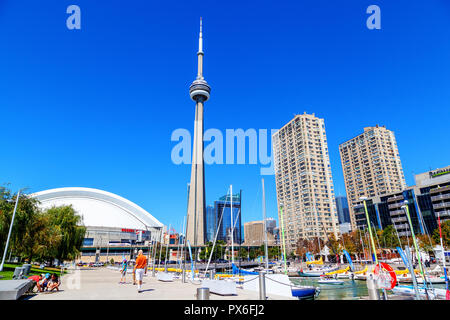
(10, 230)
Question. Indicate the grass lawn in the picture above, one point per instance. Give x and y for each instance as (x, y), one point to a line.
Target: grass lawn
(8, 270)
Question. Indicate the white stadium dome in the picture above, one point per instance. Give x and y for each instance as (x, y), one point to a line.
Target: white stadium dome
(99, 208)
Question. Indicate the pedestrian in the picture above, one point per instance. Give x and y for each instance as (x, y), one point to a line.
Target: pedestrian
(140, 268)
(123, 271)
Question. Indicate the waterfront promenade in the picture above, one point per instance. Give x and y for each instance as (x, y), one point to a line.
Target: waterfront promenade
(103, 284)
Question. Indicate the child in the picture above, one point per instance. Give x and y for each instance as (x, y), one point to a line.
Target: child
(124, 271)
(53, 283)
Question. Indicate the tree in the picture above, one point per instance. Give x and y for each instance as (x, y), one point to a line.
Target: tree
(68, 224)
(445, 226)
(333, 244)
(424, 243)
(389, 237)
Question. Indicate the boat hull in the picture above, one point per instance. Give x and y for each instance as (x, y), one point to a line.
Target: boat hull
(304, 292)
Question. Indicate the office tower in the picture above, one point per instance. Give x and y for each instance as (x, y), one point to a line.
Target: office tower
(371, 165)
(199, 92)
(303, 180)
(342, 209)
(211, 223)
(223, 207)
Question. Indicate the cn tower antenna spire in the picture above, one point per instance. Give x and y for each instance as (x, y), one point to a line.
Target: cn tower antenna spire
(200, 52)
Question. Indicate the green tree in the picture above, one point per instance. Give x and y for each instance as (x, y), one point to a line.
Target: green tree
(68, 224)
(389, 237)
(445, 226)
(334, 244)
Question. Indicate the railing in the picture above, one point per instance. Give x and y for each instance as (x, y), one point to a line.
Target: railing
(440, 197)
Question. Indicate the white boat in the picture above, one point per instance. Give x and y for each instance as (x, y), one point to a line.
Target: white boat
(435, 293)
(430, 279)
(316, 272)
(346, 275)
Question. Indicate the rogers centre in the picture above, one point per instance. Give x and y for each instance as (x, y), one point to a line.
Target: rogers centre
(116, 227)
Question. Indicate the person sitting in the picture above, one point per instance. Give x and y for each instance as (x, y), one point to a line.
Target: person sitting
(42, 283)
(53, 283)
(36, 279)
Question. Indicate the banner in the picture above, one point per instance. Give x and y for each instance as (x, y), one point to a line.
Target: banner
(349, 259)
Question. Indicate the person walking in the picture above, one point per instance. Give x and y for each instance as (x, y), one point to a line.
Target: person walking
(124, 271)
(140, 268)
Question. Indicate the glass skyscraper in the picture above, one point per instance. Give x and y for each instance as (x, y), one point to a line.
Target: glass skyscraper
(225, 228)
(211, 224)
(342, 209)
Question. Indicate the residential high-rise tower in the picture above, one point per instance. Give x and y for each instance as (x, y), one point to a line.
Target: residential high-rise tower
(371, 165)
(303, 180)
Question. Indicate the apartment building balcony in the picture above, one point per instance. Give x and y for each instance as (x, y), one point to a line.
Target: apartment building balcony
(396, 198)
(441, 205)
(400, 220)
(395, 205)
(441, 197)
(437, 190)
(402, 226)
(397, 212)
(444, 214)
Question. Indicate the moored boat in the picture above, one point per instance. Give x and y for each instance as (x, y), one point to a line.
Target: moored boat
(316, 272)
(305, 292)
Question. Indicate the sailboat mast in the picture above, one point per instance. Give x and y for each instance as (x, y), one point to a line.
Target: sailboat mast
(167, 248)
(282, 235)
(265, 225)
(447, 295)
(232, 225)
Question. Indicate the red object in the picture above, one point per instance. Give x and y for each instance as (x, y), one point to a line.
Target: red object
(389, 269)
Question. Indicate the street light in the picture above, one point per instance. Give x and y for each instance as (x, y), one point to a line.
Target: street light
(10, 229)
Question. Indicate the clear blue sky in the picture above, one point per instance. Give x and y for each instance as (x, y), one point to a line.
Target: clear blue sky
(96, 107)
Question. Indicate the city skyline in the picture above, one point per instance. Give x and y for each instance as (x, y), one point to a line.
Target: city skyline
(96, 123)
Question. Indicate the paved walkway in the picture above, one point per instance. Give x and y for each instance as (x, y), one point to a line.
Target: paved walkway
(102, 284)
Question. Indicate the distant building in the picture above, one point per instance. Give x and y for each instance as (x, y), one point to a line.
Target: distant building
(434, 193)
(254, 234)
(211, 223)
(371, 166)
(430, 197)
(223, 205)
(345, 227)
(271, 224)
(342, 209)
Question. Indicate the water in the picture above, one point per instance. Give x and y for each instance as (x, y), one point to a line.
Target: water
(350, 290)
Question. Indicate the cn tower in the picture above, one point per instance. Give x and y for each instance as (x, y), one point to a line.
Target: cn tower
(199, 92)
